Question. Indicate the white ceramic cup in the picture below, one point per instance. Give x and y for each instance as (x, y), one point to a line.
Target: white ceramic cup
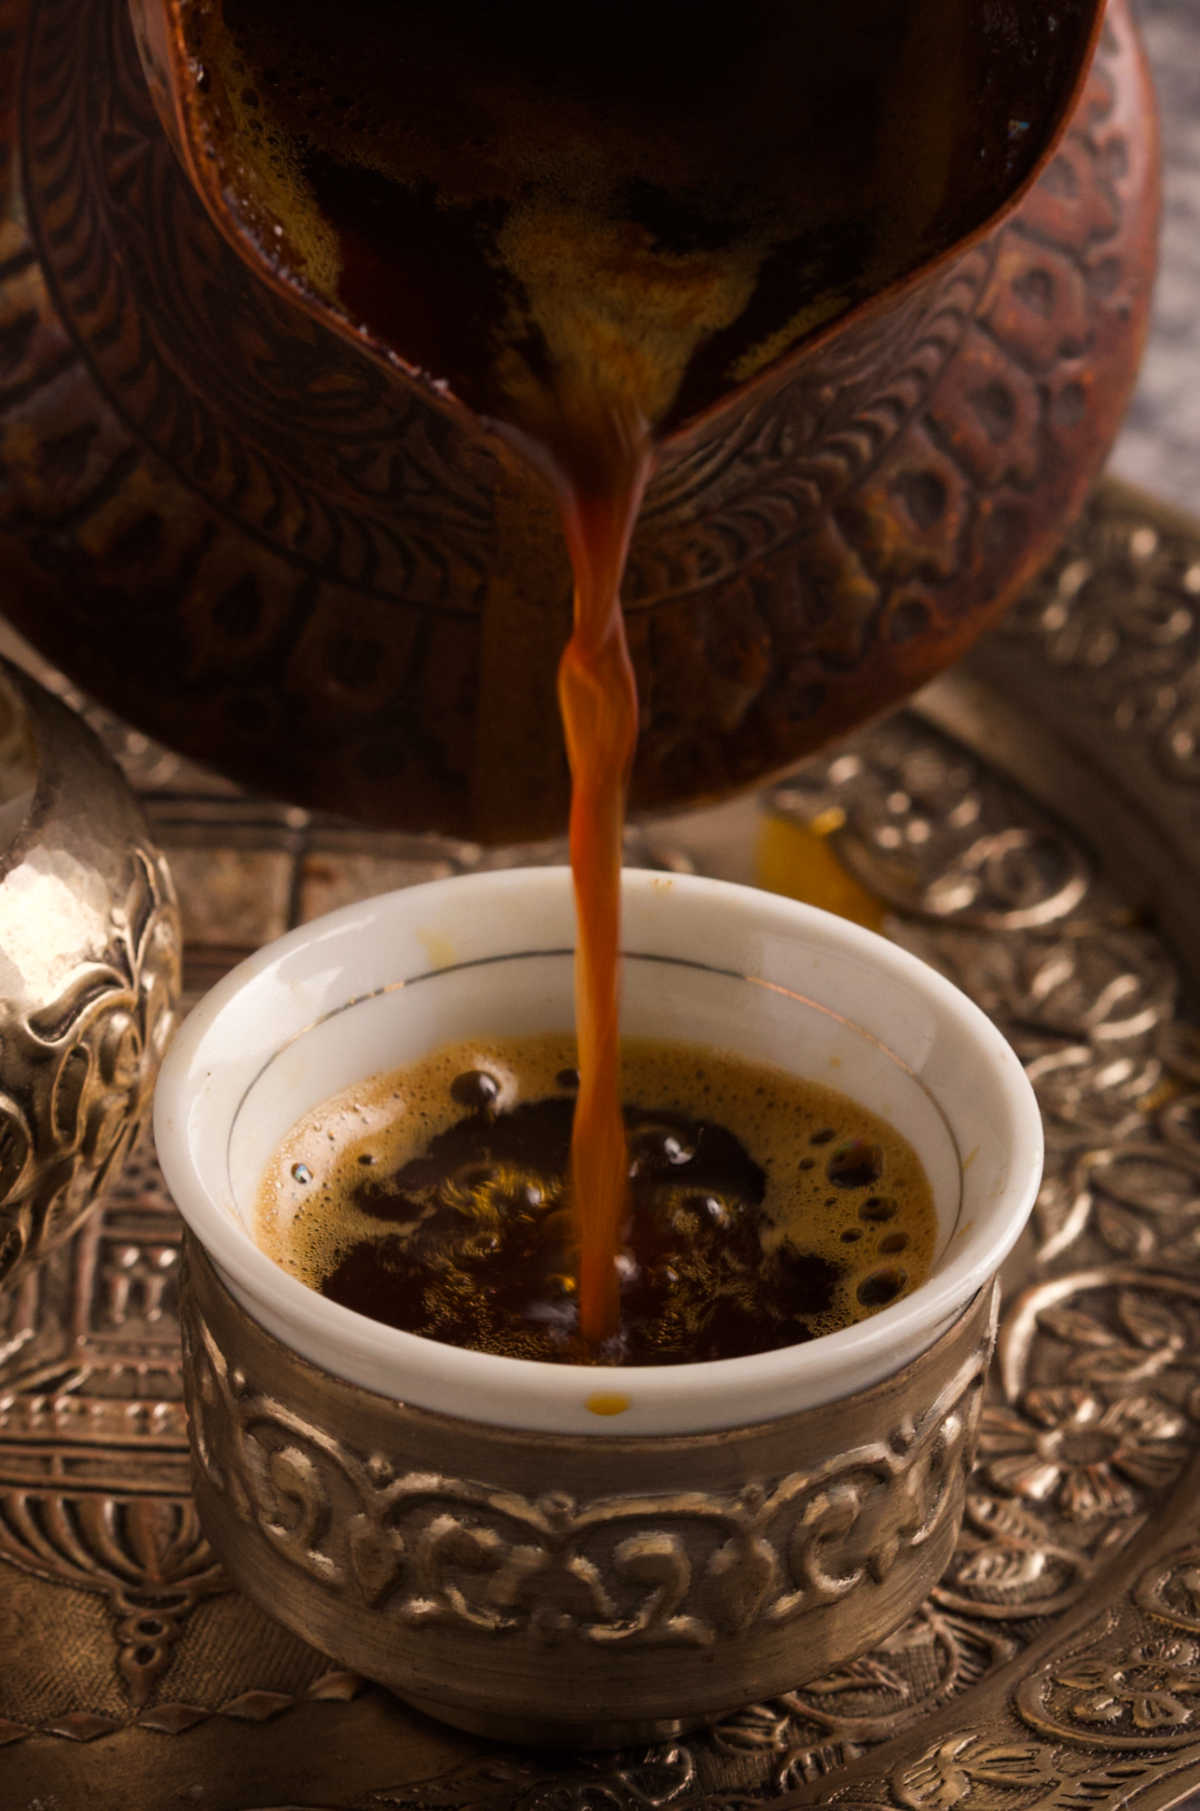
(382, 983)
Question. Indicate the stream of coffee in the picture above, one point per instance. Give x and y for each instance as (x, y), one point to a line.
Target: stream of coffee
(597, 696)
(592, 444)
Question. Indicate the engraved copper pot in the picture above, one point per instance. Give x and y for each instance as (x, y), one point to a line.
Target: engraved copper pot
(90, 968)
(575, 1553)
(231, 512)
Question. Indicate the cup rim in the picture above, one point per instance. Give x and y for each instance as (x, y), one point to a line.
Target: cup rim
(438, 1373)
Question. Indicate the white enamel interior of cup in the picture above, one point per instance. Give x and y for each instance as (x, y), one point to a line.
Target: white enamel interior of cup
(384, 982)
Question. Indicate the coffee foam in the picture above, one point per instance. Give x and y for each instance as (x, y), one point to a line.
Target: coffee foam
(627, 196)
(306, 1217)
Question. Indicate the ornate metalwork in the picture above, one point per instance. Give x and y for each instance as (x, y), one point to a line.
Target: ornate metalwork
(94, 1501)
(90, 952)
(1055, 1664)
(685, 1567)
(314, 576)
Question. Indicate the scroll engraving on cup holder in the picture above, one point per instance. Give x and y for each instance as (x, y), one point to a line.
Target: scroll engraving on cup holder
(664, 1568)
(348, 1491)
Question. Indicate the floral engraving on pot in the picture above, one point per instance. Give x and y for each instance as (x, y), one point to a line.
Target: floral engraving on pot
(683, 1568)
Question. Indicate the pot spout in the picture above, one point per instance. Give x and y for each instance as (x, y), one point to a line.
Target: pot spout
(667, 205)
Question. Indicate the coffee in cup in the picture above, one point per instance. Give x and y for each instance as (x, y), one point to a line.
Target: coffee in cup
(763, 1209)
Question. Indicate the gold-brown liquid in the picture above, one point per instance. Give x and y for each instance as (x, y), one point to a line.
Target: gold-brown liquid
(763, 1210)
(598, 699)
(588, 228)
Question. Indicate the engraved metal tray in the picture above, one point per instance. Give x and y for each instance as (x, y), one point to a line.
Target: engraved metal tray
(1032, 826)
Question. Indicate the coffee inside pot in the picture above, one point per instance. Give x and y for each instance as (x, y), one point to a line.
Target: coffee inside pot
(656, 199)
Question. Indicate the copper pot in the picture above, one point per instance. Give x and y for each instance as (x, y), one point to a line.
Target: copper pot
(255, 529)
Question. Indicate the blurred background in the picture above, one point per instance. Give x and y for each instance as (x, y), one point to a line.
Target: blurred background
(1160, 445)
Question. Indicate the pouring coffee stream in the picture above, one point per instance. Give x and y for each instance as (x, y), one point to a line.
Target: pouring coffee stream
(596, 455)
(585, 249)
(598, 700)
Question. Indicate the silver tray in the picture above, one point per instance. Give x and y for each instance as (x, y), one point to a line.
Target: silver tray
(1032, 826)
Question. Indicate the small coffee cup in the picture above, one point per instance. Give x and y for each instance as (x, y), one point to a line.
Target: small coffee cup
(580, 1554)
